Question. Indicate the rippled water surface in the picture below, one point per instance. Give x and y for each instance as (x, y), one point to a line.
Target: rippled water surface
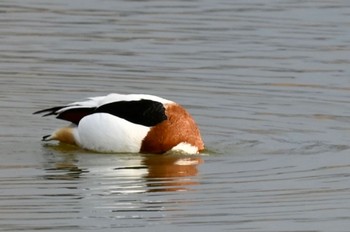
(267, 81)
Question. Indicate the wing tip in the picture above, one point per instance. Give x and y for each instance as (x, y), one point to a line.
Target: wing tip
(50, 111)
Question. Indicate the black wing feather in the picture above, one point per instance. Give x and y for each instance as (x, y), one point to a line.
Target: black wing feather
(50, 111)
(144, 112)
(73, 115)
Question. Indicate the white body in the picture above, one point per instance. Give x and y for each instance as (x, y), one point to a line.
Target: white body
(106, 133)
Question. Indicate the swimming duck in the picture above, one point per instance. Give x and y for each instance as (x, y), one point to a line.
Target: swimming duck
(135, 123)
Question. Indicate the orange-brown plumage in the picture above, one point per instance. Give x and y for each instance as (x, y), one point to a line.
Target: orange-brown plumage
(179, 127)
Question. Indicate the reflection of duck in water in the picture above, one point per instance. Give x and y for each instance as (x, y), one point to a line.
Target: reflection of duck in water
(136, 174)
(170, 172)
(127, 123)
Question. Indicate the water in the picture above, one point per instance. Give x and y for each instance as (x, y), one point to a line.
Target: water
(267, 81)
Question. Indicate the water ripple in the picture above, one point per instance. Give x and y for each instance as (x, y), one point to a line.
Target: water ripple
(267, 82)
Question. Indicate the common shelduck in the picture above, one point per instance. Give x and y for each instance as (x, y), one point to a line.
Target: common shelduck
(136, 123)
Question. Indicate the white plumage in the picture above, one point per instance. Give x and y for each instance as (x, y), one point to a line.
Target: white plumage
(110, 129)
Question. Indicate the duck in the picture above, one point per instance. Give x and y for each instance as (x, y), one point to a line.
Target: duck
(127, 123)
